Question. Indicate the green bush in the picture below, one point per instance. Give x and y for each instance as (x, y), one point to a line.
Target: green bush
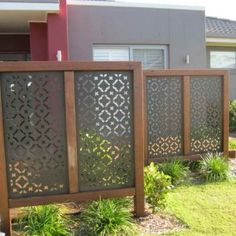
(44, 221)
(108, 217)
(192, 165)
(232, 116)
(176, 170)
(214, 167)
(156, 186)
(232, 144)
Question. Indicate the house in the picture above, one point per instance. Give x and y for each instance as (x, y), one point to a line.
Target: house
(221, 47)
(161, 36)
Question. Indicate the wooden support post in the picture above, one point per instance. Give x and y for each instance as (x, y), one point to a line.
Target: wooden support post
(4, 208)
(225, 98)
(145, 118)
(186, 115)
(139, 140)
(71, 131)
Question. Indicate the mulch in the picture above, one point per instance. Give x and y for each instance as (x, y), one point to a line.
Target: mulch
(232, 163)
(158, 223)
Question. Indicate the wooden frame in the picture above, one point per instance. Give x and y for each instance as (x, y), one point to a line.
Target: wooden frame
(232, 154)
(4, 207)
(74, 195)
(186, 76)
(139, 122)
(69, 82)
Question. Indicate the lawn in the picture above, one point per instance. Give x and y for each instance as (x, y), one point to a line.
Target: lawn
(208, 209)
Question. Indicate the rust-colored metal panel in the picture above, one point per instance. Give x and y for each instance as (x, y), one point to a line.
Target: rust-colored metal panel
(104, 103)
(34, 122)
(164, 116)
(206, 114)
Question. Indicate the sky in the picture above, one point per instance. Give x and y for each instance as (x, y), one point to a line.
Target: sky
(218, 8)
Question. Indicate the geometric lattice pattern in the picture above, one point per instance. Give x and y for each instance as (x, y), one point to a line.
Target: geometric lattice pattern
(104, 102)
(206, 114)
(34, 124)
(164, 116)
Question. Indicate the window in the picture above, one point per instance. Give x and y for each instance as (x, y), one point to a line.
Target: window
(152, 57)
(222, 59)
(110, 54)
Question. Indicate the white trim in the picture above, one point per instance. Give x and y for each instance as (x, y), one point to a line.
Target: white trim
(220, 40)
(136, 5)
(7, 6)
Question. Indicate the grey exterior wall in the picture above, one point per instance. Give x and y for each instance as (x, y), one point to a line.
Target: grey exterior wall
(182, 30)
(232, 80)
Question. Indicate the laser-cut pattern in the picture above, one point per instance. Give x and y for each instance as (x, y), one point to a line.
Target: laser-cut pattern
(206, 114)
(164, 116)
(34, 121)
(104, 102)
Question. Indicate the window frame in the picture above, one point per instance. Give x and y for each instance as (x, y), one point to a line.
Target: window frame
(110, 47)
(154, 47)
(222, 51)
(130, 49)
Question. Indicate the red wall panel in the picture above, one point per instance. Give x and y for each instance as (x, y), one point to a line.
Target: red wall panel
(58, 33)
(38, 42)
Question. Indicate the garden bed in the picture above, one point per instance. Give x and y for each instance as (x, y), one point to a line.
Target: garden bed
(188, 207)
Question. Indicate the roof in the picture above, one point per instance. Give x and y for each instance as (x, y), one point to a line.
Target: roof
(222, 28)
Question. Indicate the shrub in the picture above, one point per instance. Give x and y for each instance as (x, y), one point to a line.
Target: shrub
(232, 144)
(108, 217)
(214, 167)
(156, 186)
(232, 116)
(176, 170)
(192, 165)
(44, 221)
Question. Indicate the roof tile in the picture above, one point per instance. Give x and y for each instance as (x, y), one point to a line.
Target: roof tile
(216, 27)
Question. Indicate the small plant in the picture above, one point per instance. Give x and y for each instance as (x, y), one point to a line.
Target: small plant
(44, 221)
(156, 186)
(232, 116)
(176, 170)
(108, 217)
(214, 167)
(232, 144)
(192, 165)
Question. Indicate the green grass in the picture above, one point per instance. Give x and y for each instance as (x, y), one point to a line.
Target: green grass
(232, 144)
(207, 210)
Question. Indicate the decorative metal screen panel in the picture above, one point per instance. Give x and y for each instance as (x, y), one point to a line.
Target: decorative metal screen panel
(104, 102)
(206, 114)
(164, 116)
(35, 133)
